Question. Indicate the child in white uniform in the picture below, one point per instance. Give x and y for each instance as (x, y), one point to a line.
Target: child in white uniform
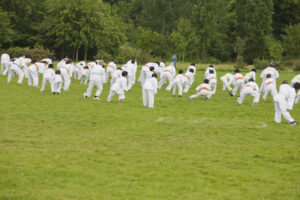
(5, 58)
(203, 90)
(48, 76)
(251, 88)
(268, 87)
(34, 71)
(212, 81)
(190, 75)
(250, 75)
(179, 82)
(119, 87)
(238, 82)
(211, 67)
(149, 91)
(57, 82)
(227, 80)
(168, 74)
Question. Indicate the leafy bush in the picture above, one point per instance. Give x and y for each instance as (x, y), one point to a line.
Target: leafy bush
(126, 52)
(293, 64)
(240, 62)
(103, 55)
(35, 54)
(260, 64)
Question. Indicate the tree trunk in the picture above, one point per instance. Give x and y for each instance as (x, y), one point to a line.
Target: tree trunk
(183, 56)
(73, 57)
(77, 54)
(85, 54)
(62, 52)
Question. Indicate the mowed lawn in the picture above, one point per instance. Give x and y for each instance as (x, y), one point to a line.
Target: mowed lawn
(65, 147)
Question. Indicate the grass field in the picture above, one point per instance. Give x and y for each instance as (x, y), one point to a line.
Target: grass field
(65, 147)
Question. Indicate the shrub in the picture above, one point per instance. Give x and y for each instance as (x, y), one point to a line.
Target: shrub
(126, 52)
(260, 64)
(103, 55)
(15, 52)
(35, 54)
(293, 64)
(240, 62)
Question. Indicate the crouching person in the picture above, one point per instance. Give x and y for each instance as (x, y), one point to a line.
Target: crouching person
(119, 87)
(251, 88)
(149, 91)
(203, 90)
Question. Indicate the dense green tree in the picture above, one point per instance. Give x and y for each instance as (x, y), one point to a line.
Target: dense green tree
(148, 40)
(6, 32)
(292, 41)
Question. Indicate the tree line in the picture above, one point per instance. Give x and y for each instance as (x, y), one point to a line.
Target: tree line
(196, 30)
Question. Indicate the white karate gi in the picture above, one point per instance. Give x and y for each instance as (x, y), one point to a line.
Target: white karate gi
(130, 70)
(61, 63)
(149, 91)
(97, 78)
(119, 87)
(268, 87)
(238, 83)
(202, 90)
(207, 71)
(78, 70)
(269, 70)
(17, 67)
(65, 73)
(212, 82)
(283, 102)
(168, 74)
(48, 60)
(179, 81)
(133, 68)
(296, 79)
(57, 83)
(227, 80)
(250, 75)
(252, 89)
(192, 67)
(115, 76)
(5, 58)
(48, 76)
(111, 68)
(33, 73)
(191, 77)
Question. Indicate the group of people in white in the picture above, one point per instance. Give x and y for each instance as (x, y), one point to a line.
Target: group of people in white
(123, 78)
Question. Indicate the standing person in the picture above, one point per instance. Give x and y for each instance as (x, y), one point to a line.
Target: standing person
(65, 73)
(57, 82)
(268, 87)
(211, 67)
(251, 88)
(48, 76)
(202, 90)
(84, 75)
(78, 70)
(227, 80)
(119, 87)
(212, 81)
(238, 82)
(5, 58)
(269, 70)
(284, 102)
(17, 67)
(97, 78)
(149, 91)
(34, 71)
(174, 60)
(111, 68)
(168, 74)
(146, 70)
(179, 82)
(132, 64)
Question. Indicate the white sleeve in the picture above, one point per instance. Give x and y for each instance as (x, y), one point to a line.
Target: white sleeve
(276, 74)
(199, 87)
(155, 86)
(291, 99)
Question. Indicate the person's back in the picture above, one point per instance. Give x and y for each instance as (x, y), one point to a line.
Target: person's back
(5, 58)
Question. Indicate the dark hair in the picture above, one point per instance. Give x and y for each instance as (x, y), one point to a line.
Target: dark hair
(154, 75)
(191, 70)
(269, 76)
(254, 70)
(251, 80)
(193, 64)
(152, 68)
(86, 67)
(163, 61)
(180, 71)
(206, 81)
(297, 86)
(57, 71)
(285, 82)
(50, 66)
(236, 71)
(124, 73)
(211, 66)
(44, 62)
(69, 61)
(211, 71)
(157, 63)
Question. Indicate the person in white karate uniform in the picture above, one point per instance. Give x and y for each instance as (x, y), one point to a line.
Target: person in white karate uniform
(268, 87)
(250, 75)
(57, 82)
(149, 91)
(48, 77)
(97, 79)
(179, 82)
(203, 90)
(295, 80)
(167, 75)
(115, 76)
(269, 70)
(78, 70)
(284, 102)
(192, 66)
(84, 75)
(111, 68)
(238, 82)
(227, 80)
(34, 71)
(190, 75)
(5, 58)
(211, 67)
(212, 81)
(251, 88)
(47, 60)
(119, 87)
(62, 62)
(160, 68)
(65, 73)
(132, 64)
(144, 72)
(17, 67)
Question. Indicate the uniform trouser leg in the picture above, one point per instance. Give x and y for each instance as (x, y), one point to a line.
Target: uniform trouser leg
(107, 76)
(186, 88)
(174, 89)
(90, 88)
(238, 85)
(44, 84)
(7, 68)
(162, 81)
(180, 89)
(57, 87)
(20, 74)
(150, 95)
(30, 79)
(281, 109)
(10, 74)
(214, 87)
(145, 97)
(297, 98)
(100, 88)
(225, 82)
(110, 96)
(266, 92)
(67, 81)
(130, 82)
(256, 95)
(171, 80)
(242, 97)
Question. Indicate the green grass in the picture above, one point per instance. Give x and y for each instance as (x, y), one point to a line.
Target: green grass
(65, 147)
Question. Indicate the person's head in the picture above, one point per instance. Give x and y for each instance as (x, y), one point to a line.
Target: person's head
(297, 86)
(163, 61)
(157, 63)
(154, 75)
(57, 71)
(44, 62)
(151, 69)
(86, 67)
(125, 73)
(211, 71)
(251, 80)
(132, 60)
(285, 82)
(191, 70)
(254, 70)
(193, 64)
(50, 66)
(101, 62)
(69, 61)
(269, 76)
(236, 71)
(119, 68)
(206, 81)
(180, 71)
(211, 66)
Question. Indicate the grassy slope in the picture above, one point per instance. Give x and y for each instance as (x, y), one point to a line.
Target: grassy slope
(65, 147)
